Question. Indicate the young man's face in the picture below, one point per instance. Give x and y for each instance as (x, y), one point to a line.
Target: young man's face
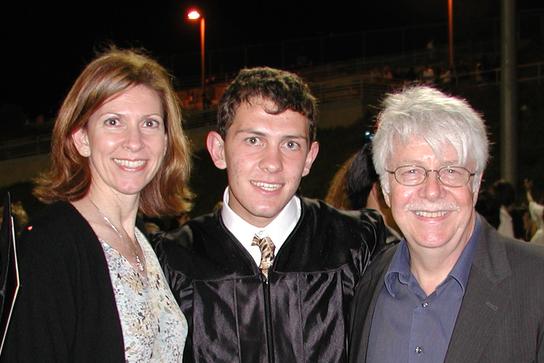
(265, 156)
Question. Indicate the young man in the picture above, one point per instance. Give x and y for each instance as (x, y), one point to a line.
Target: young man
(454, 290)
(270, 276)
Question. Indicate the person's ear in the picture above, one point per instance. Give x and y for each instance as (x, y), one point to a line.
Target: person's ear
(376, 194)
(310, 158)
(476, 183)
(216, 148)
(386, 194)
(81, 141)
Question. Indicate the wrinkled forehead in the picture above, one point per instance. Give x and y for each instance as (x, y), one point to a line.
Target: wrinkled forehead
(416, 150)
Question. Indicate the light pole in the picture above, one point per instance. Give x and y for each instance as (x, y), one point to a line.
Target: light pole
(450, 34)
(194, 15)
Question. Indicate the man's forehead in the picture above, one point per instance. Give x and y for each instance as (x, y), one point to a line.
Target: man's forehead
(269, 107)
(416, 149)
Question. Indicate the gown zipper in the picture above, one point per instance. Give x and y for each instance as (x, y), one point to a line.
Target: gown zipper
(268, 319)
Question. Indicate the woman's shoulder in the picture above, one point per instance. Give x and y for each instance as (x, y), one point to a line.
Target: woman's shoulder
(57, 223)
(57, 210)
(56, 214)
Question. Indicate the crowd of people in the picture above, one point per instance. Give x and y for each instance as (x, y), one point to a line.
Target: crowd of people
(398, 265)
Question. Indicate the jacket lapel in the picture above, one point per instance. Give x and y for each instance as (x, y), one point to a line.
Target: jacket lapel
(371, 285)
(485, 300)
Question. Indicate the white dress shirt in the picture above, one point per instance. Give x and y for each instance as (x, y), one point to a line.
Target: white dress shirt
(278, 230)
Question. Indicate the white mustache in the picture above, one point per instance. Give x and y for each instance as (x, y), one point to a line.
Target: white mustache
(449, 207)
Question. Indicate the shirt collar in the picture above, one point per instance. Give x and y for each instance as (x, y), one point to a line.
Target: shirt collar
(278, 230)
(461, 270)
(399, 269)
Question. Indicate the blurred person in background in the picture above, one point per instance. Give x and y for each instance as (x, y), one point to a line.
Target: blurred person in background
(20, 216)
(356, 185)
(506, 196)
(536, 212)
(488, 207)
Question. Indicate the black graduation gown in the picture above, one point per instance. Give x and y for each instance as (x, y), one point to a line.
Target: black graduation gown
(299, 315)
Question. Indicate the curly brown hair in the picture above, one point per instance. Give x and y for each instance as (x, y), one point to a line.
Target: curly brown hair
(286, 90)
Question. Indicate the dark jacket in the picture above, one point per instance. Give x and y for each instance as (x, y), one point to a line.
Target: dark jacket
(501, 319)
(65, 310)
(299, 315)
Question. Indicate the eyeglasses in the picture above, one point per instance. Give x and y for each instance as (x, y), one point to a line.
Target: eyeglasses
(451, 176)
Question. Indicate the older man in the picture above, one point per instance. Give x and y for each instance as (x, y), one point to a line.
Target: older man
(454, 289)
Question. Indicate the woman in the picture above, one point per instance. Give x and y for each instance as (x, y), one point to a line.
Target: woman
(91, 287)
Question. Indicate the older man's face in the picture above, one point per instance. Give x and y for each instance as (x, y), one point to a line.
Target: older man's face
(434, 218)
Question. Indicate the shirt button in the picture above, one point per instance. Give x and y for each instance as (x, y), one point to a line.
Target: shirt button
(425, 304)
(419, 350)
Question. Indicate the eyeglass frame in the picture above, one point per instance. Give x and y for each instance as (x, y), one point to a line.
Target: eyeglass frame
(427, 171)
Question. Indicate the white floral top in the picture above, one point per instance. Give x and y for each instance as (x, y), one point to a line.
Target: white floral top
(154, 328)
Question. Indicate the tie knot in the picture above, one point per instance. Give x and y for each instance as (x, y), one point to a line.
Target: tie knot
(263, 243)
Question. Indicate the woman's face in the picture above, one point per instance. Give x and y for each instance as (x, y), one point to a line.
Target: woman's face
(125, 141)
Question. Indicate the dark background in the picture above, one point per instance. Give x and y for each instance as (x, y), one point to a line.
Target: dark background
(45, 44)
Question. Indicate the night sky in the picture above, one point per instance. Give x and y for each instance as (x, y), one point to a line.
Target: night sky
(45, 44)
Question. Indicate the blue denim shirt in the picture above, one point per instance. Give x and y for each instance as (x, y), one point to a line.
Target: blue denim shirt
(408, 325)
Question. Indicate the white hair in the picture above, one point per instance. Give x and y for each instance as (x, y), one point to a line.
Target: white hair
(439, 119)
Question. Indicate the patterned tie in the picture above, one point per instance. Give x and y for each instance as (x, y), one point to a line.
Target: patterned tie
(267, 252)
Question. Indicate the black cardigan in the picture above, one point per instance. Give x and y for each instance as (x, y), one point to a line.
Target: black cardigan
(65, 310)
